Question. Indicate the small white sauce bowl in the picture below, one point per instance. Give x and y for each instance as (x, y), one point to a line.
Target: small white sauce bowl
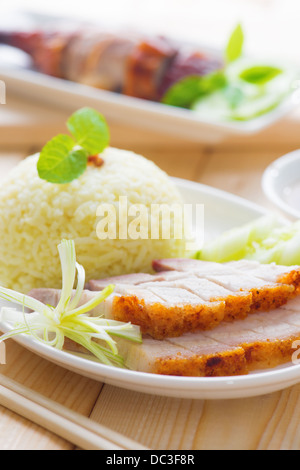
(279, 180)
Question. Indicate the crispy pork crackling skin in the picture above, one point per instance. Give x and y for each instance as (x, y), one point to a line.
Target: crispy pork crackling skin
(189, 295)
(261, 341)
(171, 303)
(186, 296)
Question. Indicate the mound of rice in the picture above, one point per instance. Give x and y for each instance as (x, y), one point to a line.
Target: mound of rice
(36, 215)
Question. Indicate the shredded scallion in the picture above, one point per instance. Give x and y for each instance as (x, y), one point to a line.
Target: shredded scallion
(51, 325)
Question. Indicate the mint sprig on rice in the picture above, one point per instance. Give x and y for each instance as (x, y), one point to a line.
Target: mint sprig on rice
(64, 158)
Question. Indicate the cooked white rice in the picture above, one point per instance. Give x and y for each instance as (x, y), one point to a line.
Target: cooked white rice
(36, 215)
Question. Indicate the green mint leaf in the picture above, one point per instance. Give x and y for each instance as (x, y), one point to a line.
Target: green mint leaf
(60, 161)
(183, 93)
(186, 91)
(259, 74)
(89, 129)
(235, 44)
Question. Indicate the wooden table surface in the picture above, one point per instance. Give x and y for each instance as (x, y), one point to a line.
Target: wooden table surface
(265, 422)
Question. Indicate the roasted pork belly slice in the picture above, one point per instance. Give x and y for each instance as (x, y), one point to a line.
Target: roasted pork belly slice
(151, 311)
(257, 327)
(237, 304)
(46, 296)
(241, 292)
(265, 296)
(130, 279)
(182, 307)
(166, 358)
(146, 67)
(292, 305)
(188, 264)
(169, 306)
(46, 48)
(164, 312)
(52, 296)
(168, 276)
(266, 338)
(261, 341)
(136, 279)
(202, 288)
(267, 272)
(174, 295)
(98, 59)
(267, 293)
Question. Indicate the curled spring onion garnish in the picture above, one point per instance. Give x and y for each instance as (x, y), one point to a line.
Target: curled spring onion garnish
(51, 325)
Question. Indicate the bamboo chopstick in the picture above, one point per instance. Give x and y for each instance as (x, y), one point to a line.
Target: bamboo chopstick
(66, 423)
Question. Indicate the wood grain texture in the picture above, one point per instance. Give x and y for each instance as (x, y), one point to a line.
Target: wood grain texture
(65, 387)
(266, 422)
(170, 423)
(16, 433)
(238, 171)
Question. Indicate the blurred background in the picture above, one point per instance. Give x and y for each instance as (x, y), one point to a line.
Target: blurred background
(271, 30)
(271, 26)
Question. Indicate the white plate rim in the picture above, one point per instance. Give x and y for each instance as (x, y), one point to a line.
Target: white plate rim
(23, 81)
(171, 386)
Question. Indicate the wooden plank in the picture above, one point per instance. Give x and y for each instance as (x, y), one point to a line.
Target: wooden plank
(162, 423)
(16, 433)
(171, 423)
(181, 163)
(267, 422)
(65, 387)
(239, 171)
(282, 431)
(24, 122)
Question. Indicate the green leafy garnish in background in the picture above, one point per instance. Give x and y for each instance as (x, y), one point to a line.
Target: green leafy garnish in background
(236, 92)
(235, 44)
(260, 74)
(64, 158)
(184, 92)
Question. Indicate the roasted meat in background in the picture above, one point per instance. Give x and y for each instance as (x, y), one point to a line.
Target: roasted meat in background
(131, 64)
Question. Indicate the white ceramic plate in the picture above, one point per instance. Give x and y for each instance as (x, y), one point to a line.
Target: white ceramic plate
(222, 211)
(281, 183)
(136, 112)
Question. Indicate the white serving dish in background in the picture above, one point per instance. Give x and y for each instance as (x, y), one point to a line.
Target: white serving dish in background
(21, 80)
(278, 182)
(129, 111)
